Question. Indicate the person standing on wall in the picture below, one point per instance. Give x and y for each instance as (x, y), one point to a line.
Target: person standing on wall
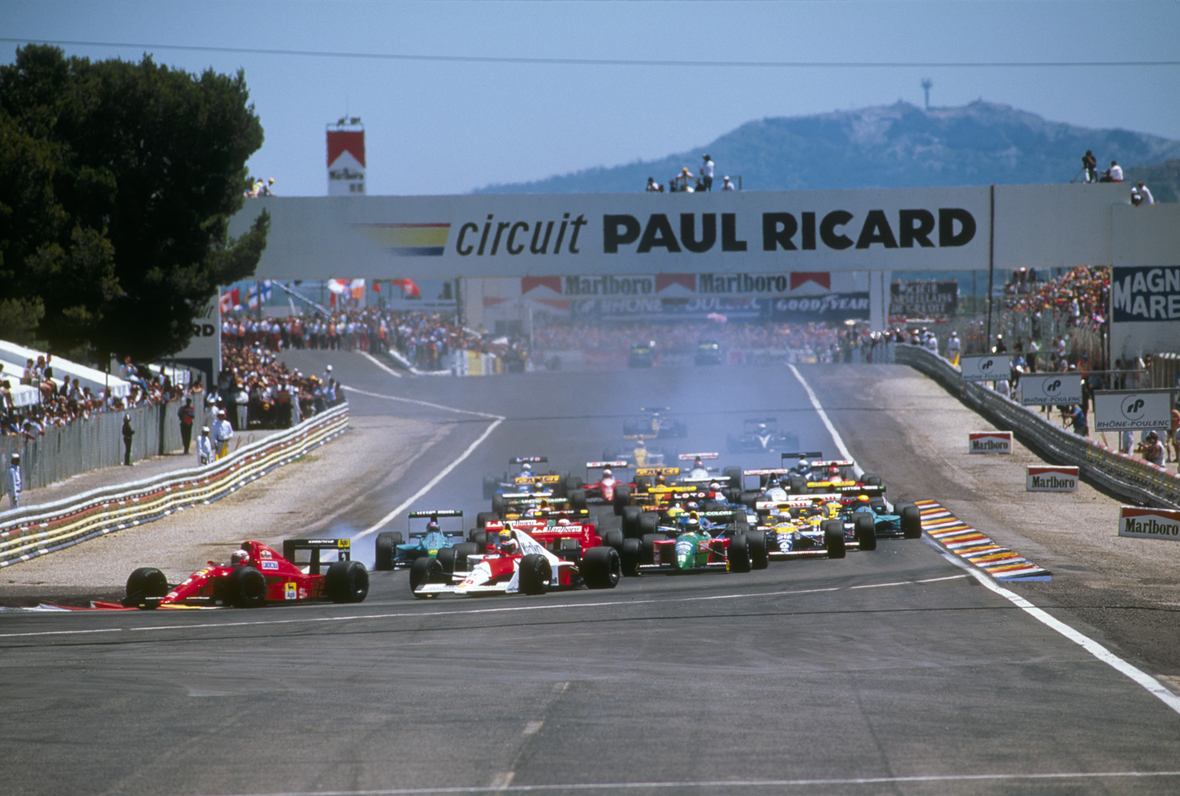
(188, 416)
(204, 447)
(13, 481)
(128, 433)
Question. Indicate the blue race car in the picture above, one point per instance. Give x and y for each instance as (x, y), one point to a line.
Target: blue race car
(431, 540)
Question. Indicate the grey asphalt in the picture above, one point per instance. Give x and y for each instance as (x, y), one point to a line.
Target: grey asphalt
(888, 672)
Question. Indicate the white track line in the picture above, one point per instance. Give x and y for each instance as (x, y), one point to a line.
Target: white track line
(380, 364)
(1153, 686)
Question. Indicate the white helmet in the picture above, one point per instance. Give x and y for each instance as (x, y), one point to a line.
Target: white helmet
(526, 467)
(606, 473)
(239, 557)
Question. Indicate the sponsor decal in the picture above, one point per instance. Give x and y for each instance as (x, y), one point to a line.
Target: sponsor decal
(494, 237)
(1145, 294)
(270, 565)
(989, 442)
(409, 240)
(1129, 410)
(1050, 389)
(984, 367)
(1051, 479)
(264, 554)
(923, 299)
(290, 590)
(1149, 523)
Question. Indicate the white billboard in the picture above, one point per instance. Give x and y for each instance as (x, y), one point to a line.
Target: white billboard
(1132, 410)
(985, 367)
(1050, 389)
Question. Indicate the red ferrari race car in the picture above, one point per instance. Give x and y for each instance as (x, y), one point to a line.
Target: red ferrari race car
(256, 576)
(519, 562)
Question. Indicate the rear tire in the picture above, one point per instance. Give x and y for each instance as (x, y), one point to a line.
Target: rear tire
(484, 517)
(911, 521)
(871, 479)
(648, 523)
(734, 476)
(739, 553)
(631, 521)
(346, 582)
(834, 538)
(631, 555)
(602, 567)
(536, 574)
(757, 544)
(797, 485)
(479, 538)
(647, 546)
(384, 552)
(463, 550)
(490, 485)
(446, 559)
(866, 530)
(622, 499)
(578, 500)
(613, 539)
(498, 505)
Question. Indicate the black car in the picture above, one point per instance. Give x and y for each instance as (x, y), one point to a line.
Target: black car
(708, 353)
(761, 435)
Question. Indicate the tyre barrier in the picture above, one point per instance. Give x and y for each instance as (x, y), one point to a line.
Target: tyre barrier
(35, 531)
(1127, 476)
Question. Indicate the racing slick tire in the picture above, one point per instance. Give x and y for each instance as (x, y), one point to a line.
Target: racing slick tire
(578, 500)
(911, 521)
(734, 476)
(478, 537)
(741, 521)
(642, 484)
(871, 479)
(631, 521)
(834, 538)
(757, 546)
(463, 550)
(446, 557)
(386, 549)
(145, 582)
(425, 570)
(498, 504)
(346, 582)
(648, 523)
(490, 485)
(536, 574)
(245, 587)
(647, 546)
(572, 482)
(865, 530)
(602, 567)
(797, 485)
(631, 555)
(622, 497)
(739, 553)
(484, 517)
(613, 539)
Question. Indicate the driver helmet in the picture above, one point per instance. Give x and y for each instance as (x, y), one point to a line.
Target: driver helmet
(240, 558)
(817, 501)
(773, 482)
(505, 542)
(862, 498)
(563, 521)
(761, 426)
(526, 468)
(432, 527)
(803, 462)
(606, 472)
(716, 487)
(661, 480)
(639, 443)
(692, 505)
(692, 525)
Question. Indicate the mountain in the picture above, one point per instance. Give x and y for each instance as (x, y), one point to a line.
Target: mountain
(895, 146)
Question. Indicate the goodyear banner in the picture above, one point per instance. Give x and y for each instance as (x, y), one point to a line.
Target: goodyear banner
(1050, 389)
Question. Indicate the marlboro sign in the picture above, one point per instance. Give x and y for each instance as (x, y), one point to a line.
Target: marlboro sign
(1044, 478)
(989, 442)
(1150, 523)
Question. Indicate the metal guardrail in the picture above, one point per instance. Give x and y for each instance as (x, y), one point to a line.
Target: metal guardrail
(1126, 476)
(34, 531)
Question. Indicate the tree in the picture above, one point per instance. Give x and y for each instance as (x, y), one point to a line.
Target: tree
(117, 183)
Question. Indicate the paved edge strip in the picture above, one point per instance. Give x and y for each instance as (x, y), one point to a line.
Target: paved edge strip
(974, 547)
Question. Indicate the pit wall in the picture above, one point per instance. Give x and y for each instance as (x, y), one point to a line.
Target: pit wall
(34, 531)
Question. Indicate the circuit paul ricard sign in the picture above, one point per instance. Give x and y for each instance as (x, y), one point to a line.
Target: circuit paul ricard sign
(984, 367)
(1132, 410)
(1050, 389)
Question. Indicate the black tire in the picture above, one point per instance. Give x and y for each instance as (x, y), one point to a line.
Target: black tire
(384, 552)
(425, 570)
(757, 544)
(145, 582)
(478, 537)
(573, 482)
(490, 484)
(498, 505)
(463, 550)
(613, 539)
(647, 546)
(642, 484)
(741, 520)
(245, 587)
(631, 555)
(536, 574)
(734, 476)
(739, 553)
(578, 500)
(631, 521)
(647, 523)
(346, 582)
(750, 499)
(911, 521)
(602, 568)
(877, 503)
(871, 479)
(622, 498)
(797, 485)
(865, 529)
(834, 538)
(484, 517)
(446, 558)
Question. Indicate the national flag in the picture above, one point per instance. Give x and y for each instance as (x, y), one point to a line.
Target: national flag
(357, 287)
(409, 288)
(252, 294)
(338, 286)
(229, 300)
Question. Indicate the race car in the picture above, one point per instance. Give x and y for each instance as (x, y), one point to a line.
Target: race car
(518, 563)
(258, 575)
(653, 425)
(708, 353)
(815, 525)
(425, 539)
(902, 520)
(525, 477)
(601, 490)
(638, 453)
(761, 435)
(685, 545)
(642, 355)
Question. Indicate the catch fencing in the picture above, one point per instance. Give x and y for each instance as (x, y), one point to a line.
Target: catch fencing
(33, 531)
(1127, 476)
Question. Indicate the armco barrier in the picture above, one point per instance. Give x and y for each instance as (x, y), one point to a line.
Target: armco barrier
(1126, 476)
(38, 530)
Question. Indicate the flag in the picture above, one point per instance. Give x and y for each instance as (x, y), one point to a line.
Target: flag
(229, 300)
(338, 285)
(252, 294)
(409, 289)
(358, 289)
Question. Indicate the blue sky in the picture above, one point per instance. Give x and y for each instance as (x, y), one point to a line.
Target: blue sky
(445, 112)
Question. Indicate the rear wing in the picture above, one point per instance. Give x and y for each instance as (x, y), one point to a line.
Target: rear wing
(688, 457)
(524, 480)
(654, 471)
(600, 465)
(435, 513)
(528, 459)
(801, 454)
(338, 550)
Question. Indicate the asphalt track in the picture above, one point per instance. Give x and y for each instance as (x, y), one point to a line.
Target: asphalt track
(891, 672)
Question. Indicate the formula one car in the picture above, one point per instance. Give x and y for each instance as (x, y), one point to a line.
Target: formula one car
(597, 491)
(520, 563)
(425, 539)
(643, 355)
(815, 525)
(653, 425)
(708, 353)
(639, 454)
(761, 435)
(525, 478)
(684, 545)
(256, 576)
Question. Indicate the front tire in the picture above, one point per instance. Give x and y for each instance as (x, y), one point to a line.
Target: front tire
(145, 582)
(384, 552)
(865, 530)
(911, 521)
(425, 570)
(739, 553)
(834, 538)
(245, 587)
(536, 574)
(602, 568)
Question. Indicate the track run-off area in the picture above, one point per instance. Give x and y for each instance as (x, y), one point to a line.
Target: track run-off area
(898, 671)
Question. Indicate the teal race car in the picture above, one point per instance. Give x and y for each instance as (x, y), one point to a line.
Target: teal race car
(431, 540)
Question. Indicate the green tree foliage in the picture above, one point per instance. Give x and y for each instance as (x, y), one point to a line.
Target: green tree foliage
(117, 183)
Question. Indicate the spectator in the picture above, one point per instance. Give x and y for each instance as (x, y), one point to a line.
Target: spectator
(1114, 173)
(726, 185)
(707, 174)
(1175, 433)
(1077, 420)
(128, 433)
(1151, 449)
(1145, 197)
(204, 447)
(1090, 166)
(13, 482)
(652, 187)
(187, 417)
